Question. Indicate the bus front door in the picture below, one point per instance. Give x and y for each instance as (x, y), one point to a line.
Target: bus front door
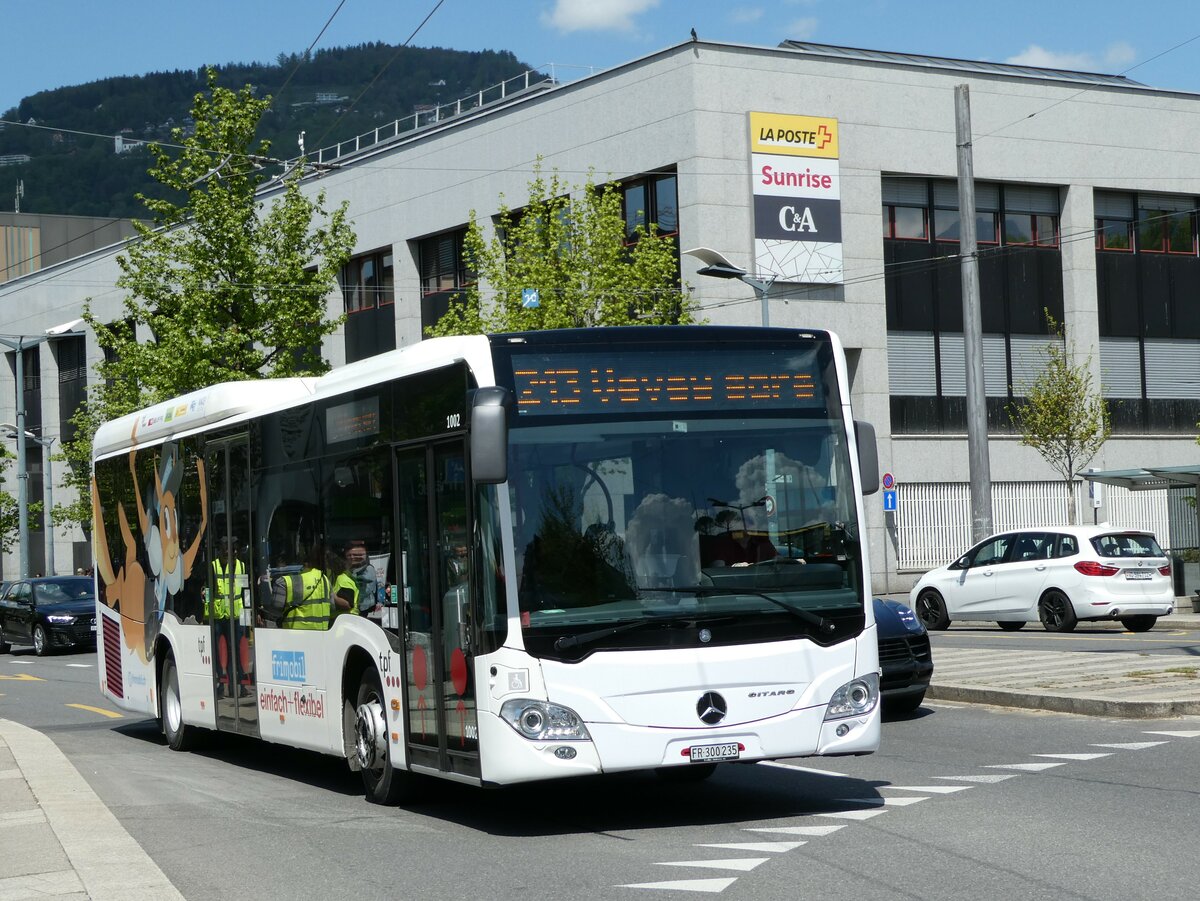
(435, 595)
(229, 604)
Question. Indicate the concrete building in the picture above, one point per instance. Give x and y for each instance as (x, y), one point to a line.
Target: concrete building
(830, 170)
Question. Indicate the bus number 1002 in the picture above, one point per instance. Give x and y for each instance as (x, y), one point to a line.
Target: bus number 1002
(454, 421)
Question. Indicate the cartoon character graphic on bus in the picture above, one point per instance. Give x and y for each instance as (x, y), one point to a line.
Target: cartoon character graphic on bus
(140, 597)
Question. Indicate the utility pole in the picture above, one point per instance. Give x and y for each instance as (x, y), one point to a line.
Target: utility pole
(980, 472)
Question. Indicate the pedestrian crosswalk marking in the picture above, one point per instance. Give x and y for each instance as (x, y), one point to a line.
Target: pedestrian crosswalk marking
(1032, 767)
(932, 789)
(852, 814)
(772, 847)
(688, 885)
(1133, 745)
(903, 802)
(1074, 756)
(797, 830)
(742, 864)
(802, 769)
(1176, 734)
(987, 777)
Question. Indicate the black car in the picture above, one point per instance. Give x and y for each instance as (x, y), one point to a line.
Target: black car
(48, 613)
(904, 656)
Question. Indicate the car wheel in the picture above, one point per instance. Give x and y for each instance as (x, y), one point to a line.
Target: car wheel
(1142, 623)
(384, 784)
(688, 774)
(1011, 626)
(4, 645)
(931, 610)
(41, 642)
(1056, 612)
(180, 736)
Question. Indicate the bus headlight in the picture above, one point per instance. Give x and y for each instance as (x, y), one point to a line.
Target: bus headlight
(542, 721)
(855, 698)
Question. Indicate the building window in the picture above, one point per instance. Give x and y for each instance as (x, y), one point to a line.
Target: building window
(369, 292)
(1029, 212)
(443, 273)
(1161, 223)
(71, 352)
(653, 200)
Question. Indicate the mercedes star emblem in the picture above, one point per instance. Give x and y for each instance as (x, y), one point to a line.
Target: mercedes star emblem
(711, 708)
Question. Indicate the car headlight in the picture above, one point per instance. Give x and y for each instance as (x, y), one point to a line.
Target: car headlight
(907, 617)
(855, 698)
(61, 619)
(543, 721)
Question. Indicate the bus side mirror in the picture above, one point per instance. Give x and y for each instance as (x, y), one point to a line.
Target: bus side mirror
(868, 456)
(489, 435)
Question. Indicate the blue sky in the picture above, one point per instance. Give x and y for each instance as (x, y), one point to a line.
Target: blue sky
(51, 43)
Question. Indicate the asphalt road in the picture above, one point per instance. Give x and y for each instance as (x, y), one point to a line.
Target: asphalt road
(961, 802)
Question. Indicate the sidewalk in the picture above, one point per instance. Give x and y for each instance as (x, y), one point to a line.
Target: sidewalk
(1099, 684)
(59, 839)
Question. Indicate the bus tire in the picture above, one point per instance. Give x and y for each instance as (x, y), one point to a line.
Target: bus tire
(384, 784)
(180, 736)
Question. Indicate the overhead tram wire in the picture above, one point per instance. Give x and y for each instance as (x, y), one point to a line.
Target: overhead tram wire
(379, 74)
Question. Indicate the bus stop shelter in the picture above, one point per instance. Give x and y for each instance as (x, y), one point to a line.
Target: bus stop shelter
(1184, 527)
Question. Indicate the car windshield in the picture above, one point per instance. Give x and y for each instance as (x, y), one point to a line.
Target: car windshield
(1126, 544)
(59, 590)
(678, 524)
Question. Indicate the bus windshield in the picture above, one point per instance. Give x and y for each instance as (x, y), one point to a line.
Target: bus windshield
(683, 524)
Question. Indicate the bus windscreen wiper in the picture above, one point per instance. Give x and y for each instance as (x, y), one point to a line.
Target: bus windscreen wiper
(566, 642)
(813, 619)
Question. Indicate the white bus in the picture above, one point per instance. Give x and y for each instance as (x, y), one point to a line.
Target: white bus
(592, 551)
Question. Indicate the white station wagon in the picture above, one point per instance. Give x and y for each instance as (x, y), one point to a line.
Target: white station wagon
(1058, 574)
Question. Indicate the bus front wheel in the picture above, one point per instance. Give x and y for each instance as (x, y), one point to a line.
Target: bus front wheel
(384, 784)
(180, 737)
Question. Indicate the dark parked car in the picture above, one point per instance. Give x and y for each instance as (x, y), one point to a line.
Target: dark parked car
(904, 656)
(48, 613)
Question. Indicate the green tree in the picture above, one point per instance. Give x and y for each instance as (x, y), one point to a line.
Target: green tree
(228, 286)
(9, 514)
(568, 243)
(1061, 416)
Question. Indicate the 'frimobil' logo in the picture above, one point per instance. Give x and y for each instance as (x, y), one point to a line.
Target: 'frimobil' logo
(288, 666)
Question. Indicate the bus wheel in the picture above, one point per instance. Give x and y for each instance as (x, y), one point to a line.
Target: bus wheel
(180, 737)
(383, 783)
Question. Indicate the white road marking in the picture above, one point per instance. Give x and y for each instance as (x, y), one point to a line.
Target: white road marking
(932, 789)
(81, 665)
(1177, 734)
(1074, 756)
(1029, 767)
(1133, 745)
(797, 830)
(741, 864)
(987, 777)
(711, 886)
(904, 801)
(771, 847)
(802, 769)
(852, 814)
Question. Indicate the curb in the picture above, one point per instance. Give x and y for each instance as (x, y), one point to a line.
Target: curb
(1088, 706)
(109, 862)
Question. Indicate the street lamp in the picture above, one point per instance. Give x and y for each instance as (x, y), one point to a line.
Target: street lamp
(717, 266)
(20, 344)
(10, 431)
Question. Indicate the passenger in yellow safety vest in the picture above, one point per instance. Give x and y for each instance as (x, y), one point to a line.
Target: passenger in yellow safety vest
(229, 578)
(308, 599)
(345, 588)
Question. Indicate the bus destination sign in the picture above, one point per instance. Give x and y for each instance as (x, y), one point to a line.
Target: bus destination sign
(551, 384)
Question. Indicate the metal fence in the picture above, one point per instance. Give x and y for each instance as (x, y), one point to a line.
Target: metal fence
(933, 519)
